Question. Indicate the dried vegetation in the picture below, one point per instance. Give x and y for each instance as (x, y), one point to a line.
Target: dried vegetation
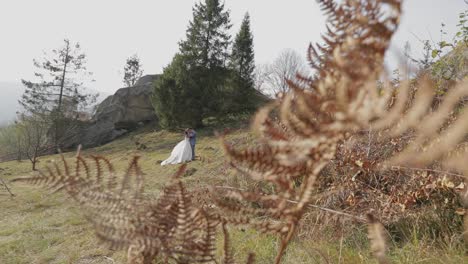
(338, 120)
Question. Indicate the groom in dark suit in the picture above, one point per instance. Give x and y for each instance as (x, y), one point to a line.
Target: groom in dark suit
(193, 140)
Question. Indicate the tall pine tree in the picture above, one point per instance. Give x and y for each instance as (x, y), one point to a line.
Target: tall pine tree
(206, 50)
(242, 57)
(175, 105)
(56, 94)
(242, 64)
(207, 40)
(199, 71)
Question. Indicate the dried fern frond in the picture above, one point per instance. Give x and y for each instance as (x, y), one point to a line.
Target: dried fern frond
(299, 135)
(377, 237)
(228, 254)
(339, 100)
(169, 228)
(317, 114)
(437, 131)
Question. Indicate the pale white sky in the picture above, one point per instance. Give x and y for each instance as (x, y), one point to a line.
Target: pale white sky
(112, 30)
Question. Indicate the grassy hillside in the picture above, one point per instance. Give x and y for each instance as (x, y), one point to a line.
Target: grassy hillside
(39, 227)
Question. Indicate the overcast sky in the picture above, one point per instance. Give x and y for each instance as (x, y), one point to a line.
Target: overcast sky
(111, 30)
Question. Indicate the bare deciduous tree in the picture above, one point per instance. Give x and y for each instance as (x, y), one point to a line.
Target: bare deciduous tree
(261, 74)
(132, 71)
(34, 140)
(284, 67)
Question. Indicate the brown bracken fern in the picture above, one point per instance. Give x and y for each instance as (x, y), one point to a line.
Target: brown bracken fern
(299, 135)
(315, 116)
(377, 238)
(340, 99)
(169, 228)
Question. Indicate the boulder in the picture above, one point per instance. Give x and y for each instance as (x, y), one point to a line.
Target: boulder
(118, 114)
(128, 106)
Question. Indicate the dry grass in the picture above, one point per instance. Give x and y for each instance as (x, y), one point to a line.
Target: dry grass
(37, 227)
(300, 134)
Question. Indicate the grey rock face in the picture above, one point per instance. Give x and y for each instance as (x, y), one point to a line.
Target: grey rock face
(118, 114)
(127, 107)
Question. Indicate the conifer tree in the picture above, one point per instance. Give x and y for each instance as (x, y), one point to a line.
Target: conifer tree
(199, 72)
(242, 67)
(207, 39)
(206, 50)
(56, 94)
(242, 57)
(173, 106)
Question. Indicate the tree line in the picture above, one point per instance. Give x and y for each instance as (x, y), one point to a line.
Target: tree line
(55, 103)
(212, 76)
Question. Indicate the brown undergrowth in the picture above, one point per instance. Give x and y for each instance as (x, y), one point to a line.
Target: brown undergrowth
(312, 139)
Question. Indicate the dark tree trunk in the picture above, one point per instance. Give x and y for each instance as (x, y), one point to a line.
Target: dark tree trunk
(59, 107)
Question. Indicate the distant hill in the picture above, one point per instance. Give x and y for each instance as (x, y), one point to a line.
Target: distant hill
(10, 93)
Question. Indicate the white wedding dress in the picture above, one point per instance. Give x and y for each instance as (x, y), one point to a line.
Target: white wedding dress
(182, 152)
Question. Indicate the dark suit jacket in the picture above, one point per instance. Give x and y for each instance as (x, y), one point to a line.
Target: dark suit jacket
(192, 137)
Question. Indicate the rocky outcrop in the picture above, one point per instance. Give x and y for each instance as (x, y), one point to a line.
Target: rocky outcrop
(118, 114)
(128, 106)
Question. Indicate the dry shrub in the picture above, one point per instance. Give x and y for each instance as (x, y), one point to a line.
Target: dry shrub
(396, 193)
(422, 202)
(316, 128)
(317, 138)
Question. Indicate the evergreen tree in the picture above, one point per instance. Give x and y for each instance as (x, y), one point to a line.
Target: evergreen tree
(56, 95)
(242, 65)
(242, 58)
(206, 50)
(132, 71)
(207, 40)
(175, 105)
(198, 74)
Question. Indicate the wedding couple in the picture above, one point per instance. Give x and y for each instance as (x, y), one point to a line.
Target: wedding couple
(184, 150)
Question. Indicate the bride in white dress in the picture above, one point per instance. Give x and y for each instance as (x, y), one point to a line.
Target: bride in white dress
(182, 152)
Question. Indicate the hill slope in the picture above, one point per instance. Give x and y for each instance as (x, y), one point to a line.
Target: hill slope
(10, 93)
(38, 227)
